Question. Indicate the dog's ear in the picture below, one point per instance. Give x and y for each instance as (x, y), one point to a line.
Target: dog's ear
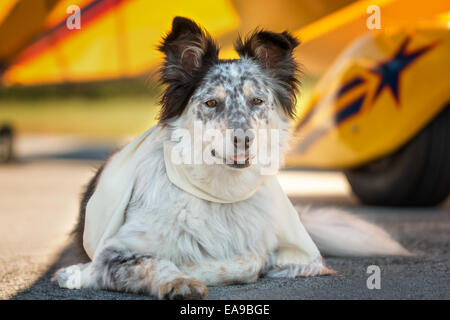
(274, 52)
(188, 51)
(187, 47)
(268, 48)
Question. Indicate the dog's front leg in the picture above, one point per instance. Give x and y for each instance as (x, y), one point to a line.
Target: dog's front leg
(224, 272)
(119, 269)
(292, 270)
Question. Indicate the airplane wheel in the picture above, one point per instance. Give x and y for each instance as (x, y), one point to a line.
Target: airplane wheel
(416, 175)
(6, 144)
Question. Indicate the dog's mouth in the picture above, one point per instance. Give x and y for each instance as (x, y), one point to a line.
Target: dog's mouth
(239, 162)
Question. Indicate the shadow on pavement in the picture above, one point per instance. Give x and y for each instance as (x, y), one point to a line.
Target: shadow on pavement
(44, 289)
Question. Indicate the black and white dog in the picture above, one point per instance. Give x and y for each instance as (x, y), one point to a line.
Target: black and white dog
(173, 244)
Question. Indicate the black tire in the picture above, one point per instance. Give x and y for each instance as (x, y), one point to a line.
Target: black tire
(6, 144)
(418, 174)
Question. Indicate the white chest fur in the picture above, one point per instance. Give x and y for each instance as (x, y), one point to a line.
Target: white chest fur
(164, 221)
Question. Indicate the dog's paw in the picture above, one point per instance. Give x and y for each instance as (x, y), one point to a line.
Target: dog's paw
(295, 270)
(182, 289)
(69, 277)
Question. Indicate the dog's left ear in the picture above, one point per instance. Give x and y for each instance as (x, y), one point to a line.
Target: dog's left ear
(274, 52)
(269, 48)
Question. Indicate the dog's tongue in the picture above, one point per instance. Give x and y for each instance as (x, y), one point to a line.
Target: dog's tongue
(240, 158)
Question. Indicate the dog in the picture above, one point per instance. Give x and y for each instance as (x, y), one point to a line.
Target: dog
(172, 244)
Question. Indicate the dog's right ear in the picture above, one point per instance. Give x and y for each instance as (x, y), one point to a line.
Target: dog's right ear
(189, 51)
(187, 48)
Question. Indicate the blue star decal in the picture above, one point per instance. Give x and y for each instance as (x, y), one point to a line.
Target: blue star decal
(390, 70)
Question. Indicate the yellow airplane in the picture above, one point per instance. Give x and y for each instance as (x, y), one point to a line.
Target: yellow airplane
(379, 112)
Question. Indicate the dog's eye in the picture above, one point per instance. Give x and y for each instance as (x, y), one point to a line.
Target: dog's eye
(256, 101)
(211, 103)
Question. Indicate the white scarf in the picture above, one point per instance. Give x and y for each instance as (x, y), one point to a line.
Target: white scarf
(105, 209)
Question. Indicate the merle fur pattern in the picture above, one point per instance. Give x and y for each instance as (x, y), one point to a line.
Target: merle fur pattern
(172, 244)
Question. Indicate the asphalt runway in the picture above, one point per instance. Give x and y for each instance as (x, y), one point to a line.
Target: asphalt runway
(39, 202)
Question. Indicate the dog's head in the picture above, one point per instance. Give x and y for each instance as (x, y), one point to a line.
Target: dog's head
(240, 108)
